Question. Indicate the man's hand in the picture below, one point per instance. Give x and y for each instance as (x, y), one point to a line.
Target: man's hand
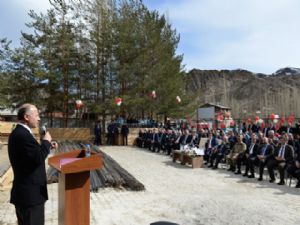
(279, 158)
(54, 145)
(47, 137)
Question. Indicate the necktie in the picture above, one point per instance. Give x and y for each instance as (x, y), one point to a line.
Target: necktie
(282, 153)
(265, 148)
(251, 149)
(184, 142)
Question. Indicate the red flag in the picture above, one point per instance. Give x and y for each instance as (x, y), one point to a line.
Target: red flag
(282, 119)
(272, 116)
(222, 125)
(262, 126)
(277, 126)
(79, 103)
(153, 94)
(118, 101)
(220, 117)
(291, 118)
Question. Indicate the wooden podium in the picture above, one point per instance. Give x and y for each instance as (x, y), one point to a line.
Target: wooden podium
(74, 185)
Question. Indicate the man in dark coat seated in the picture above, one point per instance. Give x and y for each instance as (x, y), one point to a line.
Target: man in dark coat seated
(294, 169)
(219, 153)
(250, 156)
(264, 152)
(283, 156)
(210, 145)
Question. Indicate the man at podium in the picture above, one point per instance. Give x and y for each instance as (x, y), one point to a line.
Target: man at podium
(27, 157)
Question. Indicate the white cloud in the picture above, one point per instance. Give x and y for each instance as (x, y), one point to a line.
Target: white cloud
(36, 5)
(256, 35)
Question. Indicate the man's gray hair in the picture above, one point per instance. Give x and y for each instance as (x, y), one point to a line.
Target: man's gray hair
(24, 109)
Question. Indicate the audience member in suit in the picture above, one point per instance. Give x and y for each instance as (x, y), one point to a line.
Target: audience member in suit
(178, 136)
(185, 139)
(110, 133)
(250, 157)
(253, 127)
(210, 145)
(97, 132)
(264, 153)
(195, 139)
(272, 139)
(267, 129)
(155, 141)
(297, 145)
(237, 151)
(139, 139)
(221, 151)
(27, 158)
(125, 132)
(286, 129)
(115, 133)
(294, 169)
(291, 140)
(163, 140)
(231, 138)
(169, 139)
(149, 137)
(283, 155)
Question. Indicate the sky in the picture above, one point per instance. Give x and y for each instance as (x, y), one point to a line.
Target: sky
(256, 35)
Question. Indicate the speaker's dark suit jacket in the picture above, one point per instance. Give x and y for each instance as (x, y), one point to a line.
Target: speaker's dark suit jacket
(27, 158)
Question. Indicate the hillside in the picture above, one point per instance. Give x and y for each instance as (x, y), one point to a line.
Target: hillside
(246, 92)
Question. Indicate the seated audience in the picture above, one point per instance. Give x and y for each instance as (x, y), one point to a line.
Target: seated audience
(283, 155)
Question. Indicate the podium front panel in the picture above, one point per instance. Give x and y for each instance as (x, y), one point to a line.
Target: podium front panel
(74, 199)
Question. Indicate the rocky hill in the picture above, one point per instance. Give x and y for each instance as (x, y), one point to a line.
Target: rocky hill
(246, 92)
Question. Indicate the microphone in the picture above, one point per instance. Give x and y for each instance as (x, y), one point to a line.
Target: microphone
(43, 129)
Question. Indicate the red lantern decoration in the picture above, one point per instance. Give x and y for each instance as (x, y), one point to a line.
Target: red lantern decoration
(291, 118)
(277, 126)
(262, 126)
(282, 119)
(222, 125)
(118, 101)
(227, 115)
(232, 123)
(272, 116)
(153, 94)
(79, 103)
(220, 117)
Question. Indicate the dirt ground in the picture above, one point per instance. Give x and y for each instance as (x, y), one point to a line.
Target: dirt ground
(180, 194)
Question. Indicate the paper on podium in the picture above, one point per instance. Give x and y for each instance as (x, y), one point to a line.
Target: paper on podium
(66, 161)
(199, 151)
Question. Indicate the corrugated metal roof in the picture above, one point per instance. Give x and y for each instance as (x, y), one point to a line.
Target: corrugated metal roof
(8, 112)
(214, 105)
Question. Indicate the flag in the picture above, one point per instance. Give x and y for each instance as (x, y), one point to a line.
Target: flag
(282, 119)
(79, 103)
(291, 118)
(118, 101)
(153, 94)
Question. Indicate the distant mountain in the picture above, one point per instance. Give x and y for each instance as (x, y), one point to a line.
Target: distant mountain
(287, 71)
(246, 92)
